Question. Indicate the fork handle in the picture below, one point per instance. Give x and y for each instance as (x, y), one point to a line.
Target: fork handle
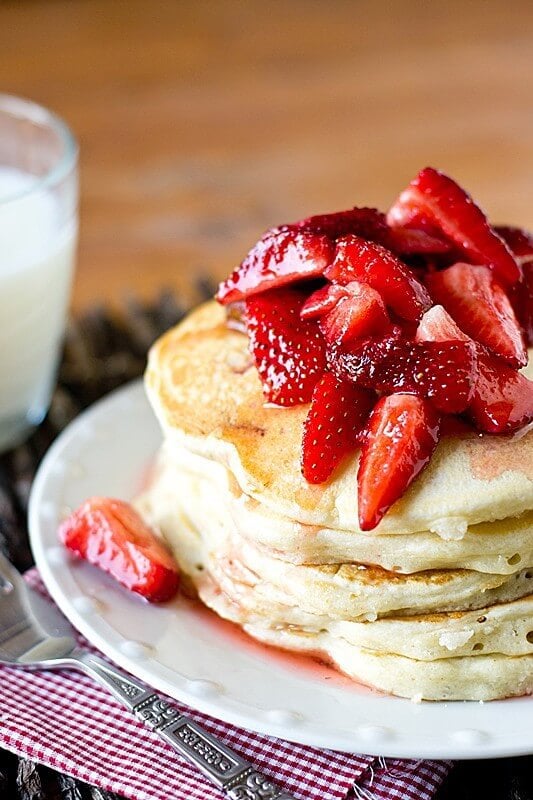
(228, 771)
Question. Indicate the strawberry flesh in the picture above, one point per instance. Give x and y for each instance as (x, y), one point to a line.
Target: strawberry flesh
(361, 312)
(502, 401)
(347, 312)
(481, 309)
(289, 352)
(322, 300)
(434, 197)
(367, 262)
(112, 535)
(437, 326)
(403, 432)
(444, 372)
(336, 418)
(280, 257)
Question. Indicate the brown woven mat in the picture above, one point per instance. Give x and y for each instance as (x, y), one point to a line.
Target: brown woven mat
(103, 351)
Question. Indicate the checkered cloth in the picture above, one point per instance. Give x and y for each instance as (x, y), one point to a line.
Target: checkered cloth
(66, 721)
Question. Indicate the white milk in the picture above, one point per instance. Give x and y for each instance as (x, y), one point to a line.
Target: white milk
(36, 264)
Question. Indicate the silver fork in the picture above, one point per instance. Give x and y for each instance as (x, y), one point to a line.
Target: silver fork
(35, 635)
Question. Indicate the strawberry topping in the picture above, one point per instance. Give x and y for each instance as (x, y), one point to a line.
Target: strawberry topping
(359, 260)
(367, 222)
(522, 300)
(289, 352)
(428, 306)
(280, 257)
(337, 415)
(519, 241)
(323, 300)
(445, 372)
(113, 536)
(436, 198)
(481, 309)
(403, 432)
(360, 313)
(502, 400)
(347, 312)
(411, 241)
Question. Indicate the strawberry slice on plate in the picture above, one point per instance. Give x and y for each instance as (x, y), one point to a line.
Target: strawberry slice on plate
(357, 259)
(481, 309)
(434, 197)
(502, 401)
(337, 416)
(281, 256)
(347, 312)
(112, 535)
(289, 352)
(444, 372)
(403, 432)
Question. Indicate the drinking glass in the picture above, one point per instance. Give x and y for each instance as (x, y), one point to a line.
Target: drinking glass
(38, 236)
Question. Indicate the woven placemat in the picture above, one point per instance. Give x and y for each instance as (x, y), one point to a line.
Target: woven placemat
(103, 350)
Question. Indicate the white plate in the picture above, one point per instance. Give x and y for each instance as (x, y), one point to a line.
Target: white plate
(185, 652)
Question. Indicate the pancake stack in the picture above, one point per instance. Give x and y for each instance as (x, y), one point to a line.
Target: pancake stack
(435, 603)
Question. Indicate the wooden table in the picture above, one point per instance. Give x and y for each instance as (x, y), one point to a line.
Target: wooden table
(203, 123)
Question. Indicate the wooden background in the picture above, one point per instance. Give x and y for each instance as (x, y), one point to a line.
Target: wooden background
(202, 123)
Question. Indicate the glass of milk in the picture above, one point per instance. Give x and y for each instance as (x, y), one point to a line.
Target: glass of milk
(38, 233)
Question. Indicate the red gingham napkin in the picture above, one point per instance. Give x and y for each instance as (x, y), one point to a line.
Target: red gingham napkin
(68, 722)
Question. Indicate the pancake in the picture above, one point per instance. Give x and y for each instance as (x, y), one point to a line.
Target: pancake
(208, 398)
(480, 655)
(500, 547)
(338, 591)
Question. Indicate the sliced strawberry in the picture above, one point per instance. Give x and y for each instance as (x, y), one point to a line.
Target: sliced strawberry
(359, 260)
(503, 398)
(403, 432)
(521, 298)
(502, 401)
(371, 224)
(437, 326)
(412, 241)
(436, 198)
(112, 535)
(519, 241)
(366, 222)
(347, 312)
(444, 372)
(288, 351)
(280, 257)
(337, 416)
(361, 312)
(481, 309)
(322, 301)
